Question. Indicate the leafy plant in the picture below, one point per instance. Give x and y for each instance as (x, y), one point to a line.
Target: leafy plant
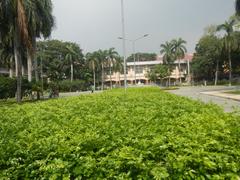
(143, 134)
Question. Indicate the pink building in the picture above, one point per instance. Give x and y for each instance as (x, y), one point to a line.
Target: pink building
(143, 67)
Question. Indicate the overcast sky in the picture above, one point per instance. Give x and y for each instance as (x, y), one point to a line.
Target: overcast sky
(96, 24)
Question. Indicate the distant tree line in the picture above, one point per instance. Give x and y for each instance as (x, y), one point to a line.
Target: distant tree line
(63, 65)
(172, 50)
(142, 57)
(217, 54)
(21, 23)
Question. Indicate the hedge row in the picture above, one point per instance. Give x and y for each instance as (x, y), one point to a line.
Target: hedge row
(8, 86)
(141, 134)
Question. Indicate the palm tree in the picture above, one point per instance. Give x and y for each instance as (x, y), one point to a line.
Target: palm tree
(40, 24)
(7, 55)
(219, 51)
(93, 64)
(168, 56)
(70, 56)
(102, 59)
(13, 14)
(111, 57)
(15, 22)
(179, 50)
(118, 67)
(228, 28)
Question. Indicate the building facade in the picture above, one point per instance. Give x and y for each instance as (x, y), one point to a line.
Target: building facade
(137, 72)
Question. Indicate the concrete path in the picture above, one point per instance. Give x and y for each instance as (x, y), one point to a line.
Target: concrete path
(70, 94)
(210, 94)
(223, 94)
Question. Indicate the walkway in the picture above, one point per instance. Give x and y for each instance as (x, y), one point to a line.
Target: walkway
(210, 94)
(70, 94)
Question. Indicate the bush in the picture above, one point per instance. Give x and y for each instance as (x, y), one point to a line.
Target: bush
(26, 87)
(8, 87)
(142, 134)
(68, 86)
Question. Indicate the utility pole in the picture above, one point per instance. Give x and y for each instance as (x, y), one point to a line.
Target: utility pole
(124, 46)
(134, 51)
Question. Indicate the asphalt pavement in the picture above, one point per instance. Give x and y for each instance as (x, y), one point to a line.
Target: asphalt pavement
(203, 94)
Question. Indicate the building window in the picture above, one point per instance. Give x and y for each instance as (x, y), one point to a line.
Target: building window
(122, 72)
(139, 70)
(109, 71)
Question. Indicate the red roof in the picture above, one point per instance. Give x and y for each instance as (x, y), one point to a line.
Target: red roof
(186, 58)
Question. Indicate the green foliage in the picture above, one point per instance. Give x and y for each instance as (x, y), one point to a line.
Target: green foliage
(237, 92)
(152, 76)
(57, 57)
(238, 7)
(208, 52)
(68, 86)
(8, 87)
(179, 48)
(211, 50)
(144, 134)
(159, 72)
(143, 57)
(167, 50)
(162, 71)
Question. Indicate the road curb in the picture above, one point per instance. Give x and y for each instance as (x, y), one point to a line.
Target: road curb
(222, 95)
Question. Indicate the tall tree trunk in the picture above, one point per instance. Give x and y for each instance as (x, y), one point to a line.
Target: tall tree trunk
(102, 77)
(18, 60)
(169, 76)
(94, 77)
(71, 72)
(42, 78)
(23, 70)
(216, 73)
(111, 85)
(29, 65)
(36, 70)
(179, 72)
(35, 61)
(16, 63)
(189, 73)
(11, 68)
(230, 63)
(119, 79)
(94, 80)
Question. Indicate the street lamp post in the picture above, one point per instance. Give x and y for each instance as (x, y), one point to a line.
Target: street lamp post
(124, 46)
(133, 41)
(134, 60)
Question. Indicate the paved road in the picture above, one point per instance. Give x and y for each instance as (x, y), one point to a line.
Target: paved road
(70, 94)
(195, 93)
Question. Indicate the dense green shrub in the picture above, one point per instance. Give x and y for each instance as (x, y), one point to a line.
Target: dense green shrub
(8, 87)
(68, 86)
(143, 134)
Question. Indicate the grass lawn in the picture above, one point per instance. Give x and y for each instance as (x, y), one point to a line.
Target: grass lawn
(237, 92)
(144, 134)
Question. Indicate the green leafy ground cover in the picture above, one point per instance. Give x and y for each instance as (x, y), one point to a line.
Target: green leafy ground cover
(146, 134)
(237, 92)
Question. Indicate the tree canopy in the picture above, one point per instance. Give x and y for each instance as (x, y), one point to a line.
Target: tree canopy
(57, 57)
(143, 57)
(208, 51)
